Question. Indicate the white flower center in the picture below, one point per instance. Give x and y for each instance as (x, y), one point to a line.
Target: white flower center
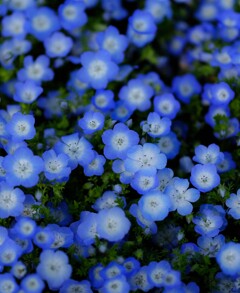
(97, 69)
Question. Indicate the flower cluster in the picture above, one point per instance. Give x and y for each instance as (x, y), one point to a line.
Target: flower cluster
(119, 146)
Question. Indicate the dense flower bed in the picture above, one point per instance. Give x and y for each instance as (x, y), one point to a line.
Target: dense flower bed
(119, 146)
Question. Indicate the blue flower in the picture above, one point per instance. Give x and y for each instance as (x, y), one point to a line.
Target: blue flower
(204, 177)
(10, 251)
(221, 94)
(91, 122)
(118, 284)
(181, 197)
(96, 166)
(87, 229)
(226, 164)
(76, 286)
(155, 126)
(54, 268)
(112, 224)
(155, 205)
(140, 280)
(22, 167)
(233, 202)
(142, 22)
(58, 45)
(210, 245)
(21, 127)
(25, 228)
(111, 41)
(169, 145)
(37, 70)
(11, 200)
(32, 283)
(208, 155)
(144, 181)
(144, 157)
(228, 258)
(43, 237)
(136, 95)
(56, 166)
(159, 9)
(157, 272)
(131, 265)
(7, 280)
(79, 150)
(185, 87)
(122, 112)
(26, 92)
(15, 25)
(43, 22)
(118, 141)
(166, 105)
(98, 69)
(72, 14)
(103, 100)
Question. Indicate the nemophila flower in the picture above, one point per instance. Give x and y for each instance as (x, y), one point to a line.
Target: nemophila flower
(112, 224)
(43, 22)
(169, 145)
(152, 78)
(103, 100)
(19, 270)
(91, 122)
(113, 42)
(155, 126)
(78, 149)
(159, 9)
(118, 284)
(140, 281)
(3, 234)
(155, 205)
(149, 226)
(181, 197)
(7, 55)
(54, 268)
(56, 166)
(208, 155)
(164, 178)
(157, 272)
(204, 177)
(122, 112)
(130, 264)
(95, 277)
(166, 105)
(233, 203)
(209, 222)
(21, 127)
(25, 228)
(213, 111)
(26, 92)
(144, 181)
(36, 71)
(10, 251)
(72, 15)
(221, 94)
(142, 22)
(11, 200)
(186, 164)
(231, 129)
(87, 229)
(118, 141)
(113, 9)
(112, 270)
(136, 95)
(176, 45)
(8, 283)
(62, 236)
(109, 199)
(96, 166)
(185, 87)
(21, 5)
(75, 84)
(228, 258)
(2, 170)
(222, 58)
(58, 45)
(43, 237)
(144, 157)
(15, 25)
(207, 11)
(210, 245)
(172, 279)
(226, 164)
(32, 283)
(70, 286)
(22, 167)
(98, 69)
